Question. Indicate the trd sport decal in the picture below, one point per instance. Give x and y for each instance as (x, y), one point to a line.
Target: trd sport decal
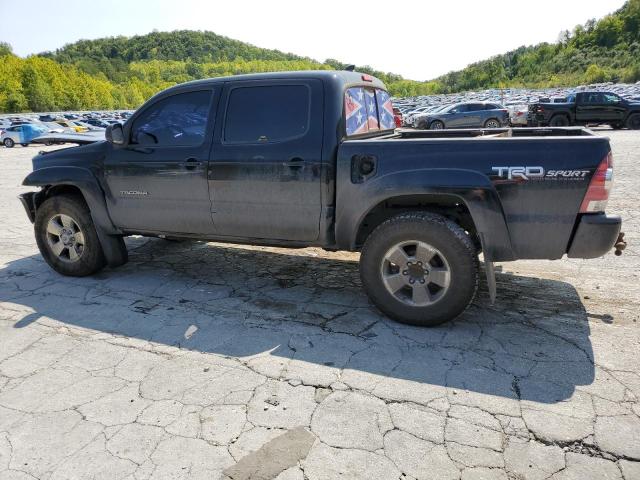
(538, 173)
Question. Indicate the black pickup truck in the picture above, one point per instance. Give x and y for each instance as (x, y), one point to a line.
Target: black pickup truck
(586, 108)
(312, 159)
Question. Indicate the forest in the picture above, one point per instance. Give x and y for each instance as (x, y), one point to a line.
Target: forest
(122, 72)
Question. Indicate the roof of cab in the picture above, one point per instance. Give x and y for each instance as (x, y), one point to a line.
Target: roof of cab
(341, 76)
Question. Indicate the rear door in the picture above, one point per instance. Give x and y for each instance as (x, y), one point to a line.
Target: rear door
(474, 117)
(264, 173)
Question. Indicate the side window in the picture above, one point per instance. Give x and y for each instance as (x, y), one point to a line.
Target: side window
(267, 113)
(178, 120)
(611, 98)
(385, 110)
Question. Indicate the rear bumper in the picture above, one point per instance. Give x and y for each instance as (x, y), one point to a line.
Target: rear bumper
(596, 235)
(29, 204)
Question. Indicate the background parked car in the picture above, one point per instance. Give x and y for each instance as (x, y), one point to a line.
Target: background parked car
(73, 125)
(397, 117)
(22, 134)
(518, 115)
(465, 115)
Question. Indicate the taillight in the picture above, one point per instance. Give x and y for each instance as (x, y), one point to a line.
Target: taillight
(595, 200)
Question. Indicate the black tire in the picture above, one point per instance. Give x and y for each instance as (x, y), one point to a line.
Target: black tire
(436, 125)
(24, 144)
(494, 122)
(9, 143)
(559, 121)
(633, 122)
(451, 241)
(91, 258)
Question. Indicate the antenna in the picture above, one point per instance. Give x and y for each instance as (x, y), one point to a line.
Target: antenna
(350, 68)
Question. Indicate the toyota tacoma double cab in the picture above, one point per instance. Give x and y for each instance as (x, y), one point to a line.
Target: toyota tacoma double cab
(304, 159)
(587, 108)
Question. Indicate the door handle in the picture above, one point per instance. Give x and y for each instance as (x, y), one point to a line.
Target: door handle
(295, 163)
(191, 163)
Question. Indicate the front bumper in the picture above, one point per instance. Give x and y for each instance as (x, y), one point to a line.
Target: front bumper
(596, 235)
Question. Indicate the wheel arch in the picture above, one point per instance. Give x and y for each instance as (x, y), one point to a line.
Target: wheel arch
(73, 180)
(79, 181)
(472, 202)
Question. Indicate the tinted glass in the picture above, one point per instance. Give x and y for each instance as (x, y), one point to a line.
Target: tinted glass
(459, 109)
(179, 120)
(372, 109)
(385, 110)
(611, 98)
(267, 113)
(355, 111)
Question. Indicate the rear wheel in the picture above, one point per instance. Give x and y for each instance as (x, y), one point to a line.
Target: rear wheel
(24, 144)
(67, 238)
(492, 123)
(633, 122)
(9, 143)
(437, 125)
(419, 268)
(559, 121)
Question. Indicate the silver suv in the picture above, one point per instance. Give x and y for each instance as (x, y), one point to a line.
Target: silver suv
(464, 115)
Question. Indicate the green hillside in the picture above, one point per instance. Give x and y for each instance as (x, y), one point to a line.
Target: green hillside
(121, 72)
(607, 50)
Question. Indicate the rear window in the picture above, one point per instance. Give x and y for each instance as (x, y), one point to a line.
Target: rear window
(367, 110)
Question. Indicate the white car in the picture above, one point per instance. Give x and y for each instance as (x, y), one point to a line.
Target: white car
(22, 134)
(518, 115)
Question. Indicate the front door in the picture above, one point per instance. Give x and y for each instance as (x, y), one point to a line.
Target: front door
(264, 177)
(158, 182)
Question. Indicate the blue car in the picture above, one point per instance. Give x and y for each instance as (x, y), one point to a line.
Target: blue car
(22, 134)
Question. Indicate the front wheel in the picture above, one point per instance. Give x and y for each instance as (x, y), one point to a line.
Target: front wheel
(419, 268)
(437, 125)
(492, 123)
(67, 238)
(24, 144)
(633, 123)
(9, 143)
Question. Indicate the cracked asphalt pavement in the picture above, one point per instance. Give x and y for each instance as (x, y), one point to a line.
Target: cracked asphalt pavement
(203, 361)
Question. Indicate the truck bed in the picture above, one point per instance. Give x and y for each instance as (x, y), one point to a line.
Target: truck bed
(531, 217)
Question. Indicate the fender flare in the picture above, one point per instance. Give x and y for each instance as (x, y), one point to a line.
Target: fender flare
(82, 178)
(470, 188)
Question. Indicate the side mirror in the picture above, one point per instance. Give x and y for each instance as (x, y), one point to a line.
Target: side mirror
(114, 134)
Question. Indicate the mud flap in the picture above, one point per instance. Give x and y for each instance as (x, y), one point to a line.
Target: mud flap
(491, 280)
(115, 251)
(489, 272)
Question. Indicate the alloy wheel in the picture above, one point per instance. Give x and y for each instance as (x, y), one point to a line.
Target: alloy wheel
(65, 238)
(415, 273)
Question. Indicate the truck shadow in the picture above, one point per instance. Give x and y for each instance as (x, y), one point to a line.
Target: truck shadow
(308, 316)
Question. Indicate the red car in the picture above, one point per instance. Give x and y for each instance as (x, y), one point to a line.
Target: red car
(397, 117)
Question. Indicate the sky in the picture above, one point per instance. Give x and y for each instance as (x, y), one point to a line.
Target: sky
(419, 40)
